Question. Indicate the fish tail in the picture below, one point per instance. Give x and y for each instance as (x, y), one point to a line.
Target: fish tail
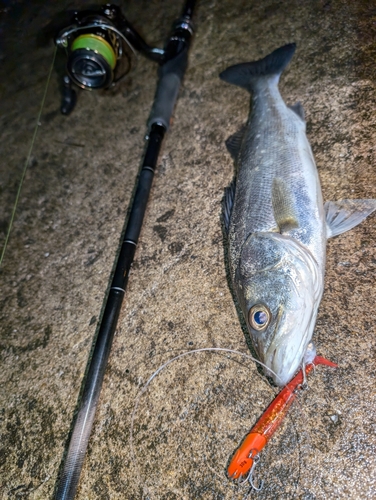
(247, 75)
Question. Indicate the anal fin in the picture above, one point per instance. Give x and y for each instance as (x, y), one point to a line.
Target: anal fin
(343, 215)
(298, 109)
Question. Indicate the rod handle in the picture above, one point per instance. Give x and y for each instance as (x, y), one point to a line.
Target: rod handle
(170, 76)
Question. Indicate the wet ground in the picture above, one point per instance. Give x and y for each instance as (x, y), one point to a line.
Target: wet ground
(65, 236)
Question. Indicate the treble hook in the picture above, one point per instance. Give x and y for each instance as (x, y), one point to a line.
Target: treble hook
(250, 479)
(304, 385)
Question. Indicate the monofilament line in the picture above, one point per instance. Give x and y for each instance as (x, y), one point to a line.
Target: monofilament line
(186, 353)
(27, 160)
(156, 373)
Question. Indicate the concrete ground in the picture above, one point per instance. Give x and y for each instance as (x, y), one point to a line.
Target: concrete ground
(65, 236)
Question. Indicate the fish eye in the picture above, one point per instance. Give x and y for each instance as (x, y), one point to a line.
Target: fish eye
(259, 317)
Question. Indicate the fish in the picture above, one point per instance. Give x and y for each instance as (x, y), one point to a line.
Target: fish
(275, 220)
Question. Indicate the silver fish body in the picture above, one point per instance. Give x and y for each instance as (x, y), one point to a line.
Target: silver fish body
(276, 221)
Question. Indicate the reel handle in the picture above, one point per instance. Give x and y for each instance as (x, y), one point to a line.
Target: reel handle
(69, 96)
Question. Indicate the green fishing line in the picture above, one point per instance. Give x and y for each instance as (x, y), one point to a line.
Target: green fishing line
(27, 160)
(97, 44)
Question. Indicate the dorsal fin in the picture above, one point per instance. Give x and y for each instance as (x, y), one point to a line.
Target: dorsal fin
(227, 204)
(234, 142)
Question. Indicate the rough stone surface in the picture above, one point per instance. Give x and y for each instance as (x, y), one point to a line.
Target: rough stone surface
(66, 233)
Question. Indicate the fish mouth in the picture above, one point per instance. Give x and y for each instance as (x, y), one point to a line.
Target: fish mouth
(283, 361)
(285, 354)
(280, 372)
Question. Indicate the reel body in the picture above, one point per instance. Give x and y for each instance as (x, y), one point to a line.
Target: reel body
(100, 46)
(98, 54)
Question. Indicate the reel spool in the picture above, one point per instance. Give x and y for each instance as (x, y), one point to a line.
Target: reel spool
(92, 62)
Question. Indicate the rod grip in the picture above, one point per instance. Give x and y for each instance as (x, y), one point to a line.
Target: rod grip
(170, 76)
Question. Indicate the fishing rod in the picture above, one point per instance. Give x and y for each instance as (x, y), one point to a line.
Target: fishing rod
(171, 71)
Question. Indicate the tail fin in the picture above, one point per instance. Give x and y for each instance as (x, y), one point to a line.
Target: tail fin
(247, 75)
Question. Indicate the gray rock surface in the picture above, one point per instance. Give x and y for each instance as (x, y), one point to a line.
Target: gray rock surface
(66, 233)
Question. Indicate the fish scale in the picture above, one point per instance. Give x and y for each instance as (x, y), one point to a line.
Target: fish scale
(275, 154)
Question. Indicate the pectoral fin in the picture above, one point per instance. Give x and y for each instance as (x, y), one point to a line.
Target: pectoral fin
(283, 206)
(343, 215)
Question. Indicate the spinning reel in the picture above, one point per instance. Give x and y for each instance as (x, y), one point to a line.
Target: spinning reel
(99, 45)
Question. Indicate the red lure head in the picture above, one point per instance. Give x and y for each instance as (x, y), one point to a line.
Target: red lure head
(243, 459)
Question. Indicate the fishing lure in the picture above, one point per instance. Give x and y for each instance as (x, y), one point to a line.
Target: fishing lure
(247, 456)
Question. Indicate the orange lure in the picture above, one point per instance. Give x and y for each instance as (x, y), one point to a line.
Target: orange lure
(247, 454)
